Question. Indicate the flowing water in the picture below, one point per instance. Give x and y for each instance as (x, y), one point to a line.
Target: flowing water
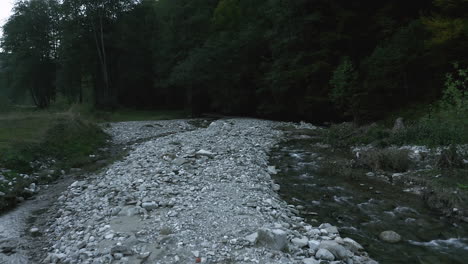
(362, 207)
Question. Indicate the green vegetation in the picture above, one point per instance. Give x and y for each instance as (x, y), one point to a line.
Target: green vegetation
(445, 124)
(389, 159)
(29, 139)
(313, 60)
(123, 115)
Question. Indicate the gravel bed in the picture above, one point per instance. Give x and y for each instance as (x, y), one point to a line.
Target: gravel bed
(194, 196)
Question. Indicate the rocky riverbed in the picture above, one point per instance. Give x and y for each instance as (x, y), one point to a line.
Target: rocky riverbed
(191, 195)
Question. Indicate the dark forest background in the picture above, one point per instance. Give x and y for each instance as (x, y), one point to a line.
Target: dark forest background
(315, 60)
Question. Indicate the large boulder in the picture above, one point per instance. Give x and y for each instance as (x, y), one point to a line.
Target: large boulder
(275, 239)
(336, 249)
(324, 255)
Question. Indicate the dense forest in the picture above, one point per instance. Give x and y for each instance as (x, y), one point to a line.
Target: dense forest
(301, 59)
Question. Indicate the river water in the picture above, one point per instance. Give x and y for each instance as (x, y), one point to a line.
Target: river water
(362, 207)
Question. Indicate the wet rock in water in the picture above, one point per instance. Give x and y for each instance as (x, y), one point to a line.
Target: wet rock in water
(34, 231)
(275, 239)
(272, 170)
(390, 236)
(352, 245)
(324, 254)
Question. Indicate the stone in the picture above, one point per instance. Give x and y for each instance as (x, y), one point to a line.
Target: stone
(300, 242)
(272, 170)
(352, 245)
(252, 238)
(149, 205)
(314, 244)
(126, 251)
(276, 187)
(324, 254)
(275, 239)
(390, 236)
(310, 261)
(332, 230)
(336, 249)
(180, 161)
(205, 153)
(34, 230)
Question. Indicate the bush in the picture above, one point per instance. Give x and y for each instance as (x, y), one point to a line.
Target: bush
(441, 129)
(348, 134)
(73, 139)
(449, 159)
(390, 159)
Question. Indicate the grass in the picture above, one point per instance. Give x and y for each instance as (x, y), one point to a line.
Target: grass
(27, 137)
(438, 129)
(68, 135)
(388, 159)
(123, 115)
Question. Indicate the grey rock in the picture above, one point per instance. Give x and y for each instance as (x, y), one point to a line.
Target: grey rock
(390, 236)
(352, 245)
(275, 239)
(149, 205)
(272, 170)
(206, 153)
(180, 161)
(310, 261)
(324, 255)
(34, 230)
(332, 230)
(126, 251)
(314, 245)
(300, 242)
(252, 238)
(336, 249)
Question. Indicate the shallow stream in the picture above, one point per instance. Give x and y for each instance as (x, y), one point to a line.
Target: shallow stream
(362, 207)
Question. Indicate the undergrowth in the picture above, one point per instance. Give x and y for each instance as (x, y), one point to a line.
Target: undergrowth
(68, 140)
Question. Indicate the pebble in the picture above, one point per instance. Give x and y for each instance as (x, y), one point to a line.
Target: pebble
(202, 195)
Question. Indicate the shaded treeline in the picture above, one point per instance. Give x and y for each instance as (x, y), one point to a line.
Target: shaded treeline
(301, 59)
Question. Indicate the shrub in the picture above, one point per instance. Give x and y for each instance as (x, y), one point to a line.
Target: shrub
(449, 159)
(389, 159)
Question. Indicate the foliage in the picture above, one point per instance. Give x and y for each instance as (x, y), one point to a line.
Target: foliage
(343, 83)
(31, 40)
(389, 159)
(455, 96)
(64, 137)
(280, 59)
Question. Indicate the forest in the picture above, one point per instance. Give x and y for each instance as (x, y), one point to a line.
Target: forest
(315, 60)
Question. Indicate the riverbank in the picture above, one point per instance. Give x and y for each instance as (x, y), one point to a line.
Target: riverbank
(196, 196)
(369, 189)
(39, 147)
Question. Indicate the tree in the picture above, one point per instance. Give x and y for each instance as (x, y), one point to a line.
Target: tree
(30, 40)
